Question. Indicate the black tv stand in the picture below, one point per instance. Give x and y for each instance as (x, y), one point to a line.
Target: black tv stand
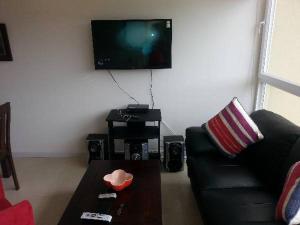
(135, 129)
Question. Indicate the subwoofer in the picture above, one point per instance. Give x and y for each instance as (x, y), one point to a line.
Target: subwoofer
(97, 146)
(173, 153)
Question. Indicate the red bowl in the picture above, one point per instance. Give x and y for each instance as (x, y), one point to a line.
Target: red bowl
(118, 180)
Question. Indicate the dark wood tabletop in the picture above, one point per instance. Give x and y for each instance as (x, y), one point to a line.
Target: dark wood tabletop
(141, 200)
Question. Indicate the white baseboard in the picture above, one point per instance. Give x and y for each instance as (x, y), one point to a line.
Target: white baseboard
(47, 154)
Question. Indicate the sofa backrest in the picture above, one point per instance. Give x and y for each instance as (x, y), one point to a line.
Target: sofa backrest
(272, 157)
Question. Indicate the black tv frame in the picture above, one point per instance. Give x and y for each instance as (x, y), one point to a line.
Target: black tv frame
(133, 68)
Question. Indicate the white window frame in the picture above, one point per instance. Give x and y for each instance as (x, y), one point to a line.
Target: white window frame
(264, 78)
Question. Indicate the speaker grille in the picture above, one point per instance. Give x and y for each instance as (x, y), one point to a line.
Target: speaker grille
(173, 153)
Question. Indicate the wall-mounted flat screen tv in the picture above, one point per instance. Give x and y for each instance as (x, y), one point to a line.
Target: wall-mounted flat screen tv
(132, 44)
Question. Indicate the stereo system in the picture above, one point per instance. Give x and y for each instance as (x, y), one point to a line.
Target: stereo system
(173, 153)
(136, 150)
(97, 146)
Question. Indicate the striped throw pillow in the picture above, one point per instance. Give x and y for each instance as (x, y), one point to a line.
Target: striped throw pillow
(232, 129)
(288, 206)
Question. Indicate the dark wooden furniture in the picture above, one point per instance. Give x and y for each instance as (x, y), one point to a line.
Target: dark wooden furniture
(142, 200)
(5, 51)
(6, 159)
(136, 128)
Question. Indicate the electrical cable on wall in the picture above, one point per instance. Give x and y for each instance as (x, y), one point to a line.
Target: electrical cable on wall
(168, 127)
(153, 103)
(123, 90)
(151, 92)
(134, 99)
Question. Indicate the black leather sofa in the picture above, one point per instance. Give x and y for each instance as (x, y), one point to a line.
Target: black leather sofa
(243, 190)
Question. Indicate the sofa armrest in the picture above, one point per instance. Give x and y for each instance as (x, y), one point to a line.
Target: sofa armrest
(197, 141)
(19, 214)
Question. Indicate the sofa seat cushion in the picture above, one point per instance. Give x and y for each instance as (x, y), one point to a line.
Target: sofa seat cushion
(237, 205)
(211, 171)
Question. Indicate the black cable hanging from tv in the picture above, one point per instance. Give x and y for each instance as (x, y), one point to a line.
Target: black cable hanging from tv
(151, 91)
(123, 90)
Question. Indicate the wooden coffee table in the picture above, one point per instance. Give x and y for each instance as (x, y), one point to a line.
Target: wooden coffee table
(142, 200)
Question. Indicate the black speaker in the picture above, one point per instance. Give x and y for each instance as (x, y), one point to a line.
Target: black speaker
(97, 146)
(173, 153)
(136, 150)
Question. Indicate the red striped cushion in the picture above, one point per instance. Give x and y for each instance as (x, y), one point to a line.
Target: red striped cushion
(288, 206)
(232, 129)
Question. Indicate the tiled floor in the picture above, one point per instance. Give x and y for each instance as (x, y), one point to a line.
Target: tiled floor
(48, 183)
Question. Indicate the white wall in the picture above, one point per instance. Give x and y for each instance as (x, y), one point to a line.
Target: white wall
(58, 98)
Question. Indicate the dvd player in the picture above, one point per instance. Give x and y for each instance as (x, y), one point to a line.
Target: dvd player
(137, 108)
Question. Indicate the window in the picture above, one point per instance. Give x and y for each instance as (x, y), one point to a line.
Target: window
(279, 72)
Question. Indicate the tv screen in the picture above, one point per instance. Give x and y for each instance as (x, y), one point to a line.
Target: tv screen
(132, 44)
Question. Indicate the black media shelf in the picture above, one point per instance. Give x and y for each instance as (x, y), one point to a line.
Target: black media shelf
(135, 129)
(148, 132)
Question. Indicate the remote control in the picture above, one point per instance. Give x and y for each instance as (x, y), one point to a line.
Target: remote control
(108, 195)
(96, 216)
